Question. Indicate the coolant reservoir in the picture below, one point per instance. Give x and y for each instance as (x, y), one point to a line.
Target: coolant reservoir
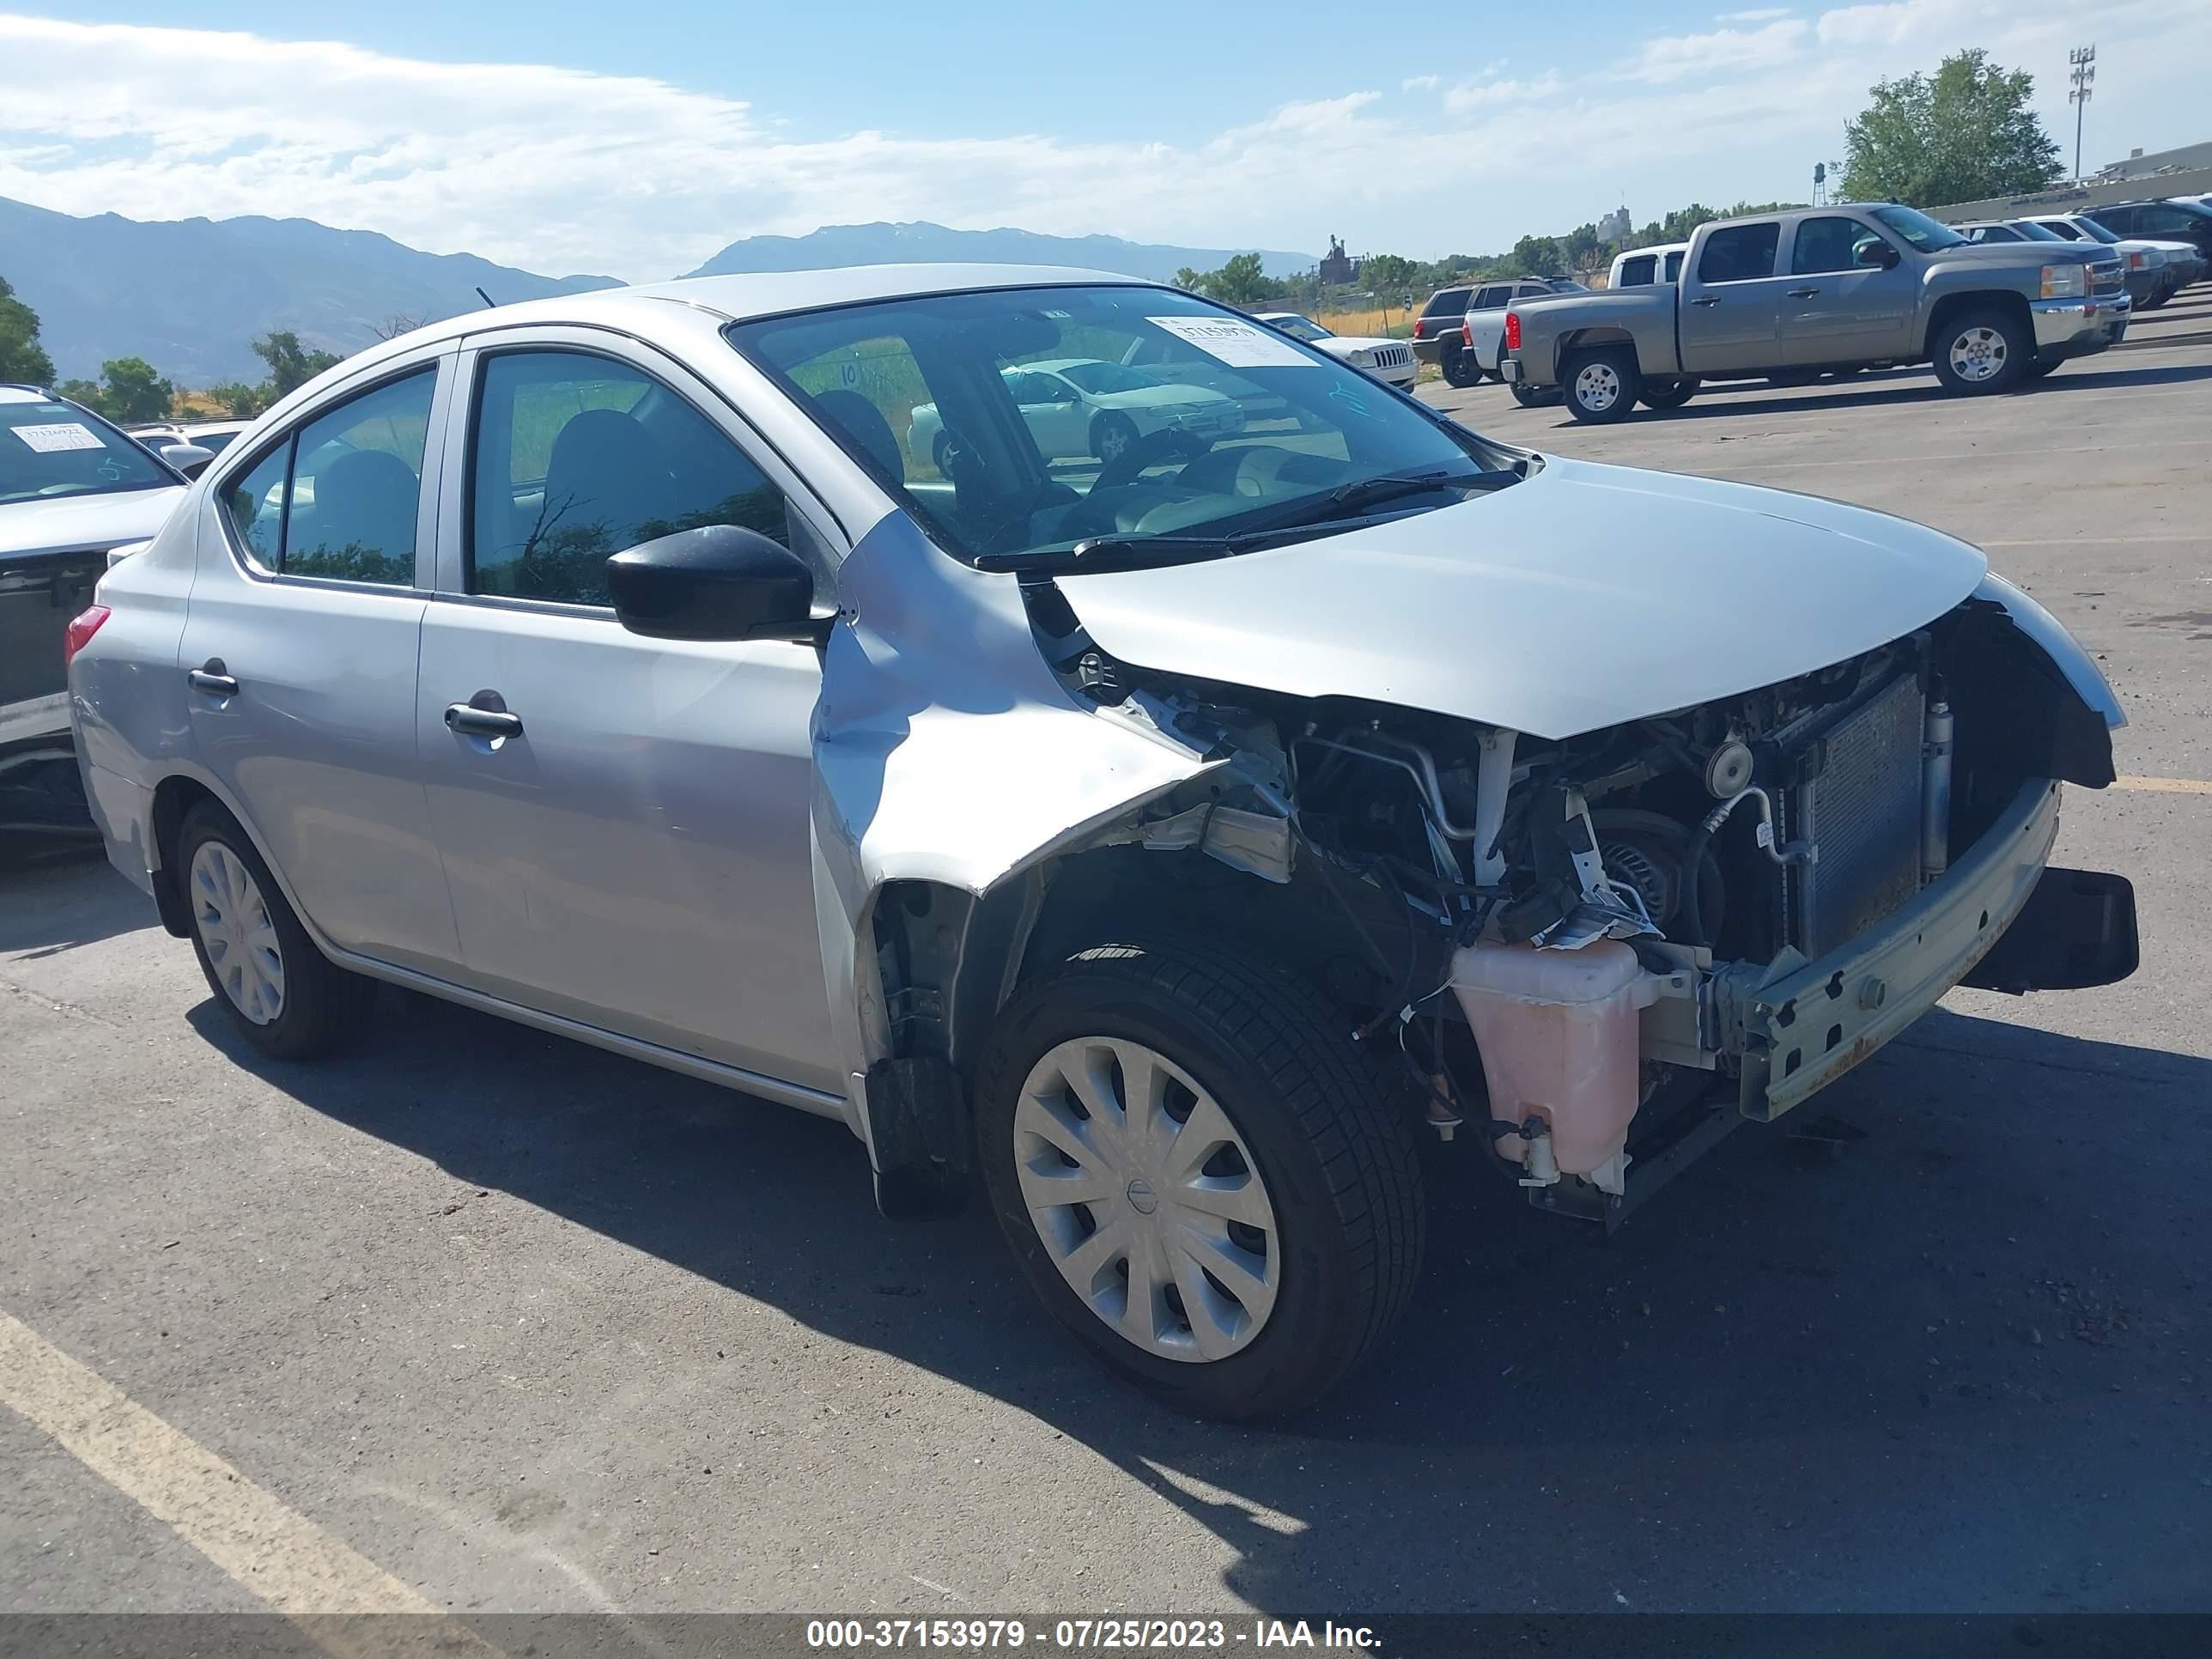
(1559, 1037)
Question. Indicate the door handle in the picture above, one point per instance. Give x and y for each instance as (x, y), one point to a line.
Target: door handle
(483, 715)
(1706, 300)
(1803, 293)
(212, 678)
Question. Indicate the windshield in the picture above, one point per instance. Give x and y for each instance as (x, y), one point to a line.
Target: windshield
(1299, 328)
(914, 390)
(49, 448)
(1917, 228)
(2090, 227)
(2036, 233)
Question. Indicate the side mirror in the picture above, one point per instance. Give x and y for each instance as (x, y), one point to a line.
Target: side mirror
(715, 583)
(1876, 254)
(188, 459)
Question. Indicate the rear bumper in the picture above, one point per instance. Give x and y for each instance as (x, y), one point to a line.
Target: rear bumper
(1509, 369)
(2075, 328)
(1803, 1031)
(1431, 350)
(123, 811)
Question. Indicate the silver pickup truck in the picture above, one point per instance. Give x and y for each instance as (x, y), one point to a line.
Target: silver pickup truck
(1793, 294)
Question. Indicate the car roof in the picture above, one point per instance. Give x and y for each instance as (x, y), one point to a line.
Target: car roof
(1051, 365)
(16, 392)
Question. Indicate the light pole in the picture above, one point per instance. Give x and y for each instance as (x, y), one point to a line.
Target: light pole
(2081, 70)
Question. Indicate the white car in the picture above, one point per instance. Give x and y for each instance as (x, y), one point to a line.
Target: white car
(72, 488)
(1078, 407)
(1390, 362)
(1643, 267)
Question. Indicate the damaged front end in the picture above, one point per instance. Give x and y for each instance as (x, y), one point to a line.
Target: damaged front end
(1589, 956)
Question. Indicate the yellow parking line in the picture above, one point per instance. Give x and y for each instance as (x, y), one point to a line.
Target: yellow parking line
(2165, 785)
(320, 1582)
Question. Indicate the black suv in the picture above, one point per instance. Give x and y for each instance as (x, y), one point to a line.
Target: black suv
(1436, 331)
(2172, 221)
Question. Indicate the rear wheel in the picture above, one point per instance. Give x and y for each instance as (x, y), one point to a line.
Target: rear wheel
(281, 994)
(1200, 1175)
(1460, 370)
(1667, 394)
(1602, 384)
(1981, 351)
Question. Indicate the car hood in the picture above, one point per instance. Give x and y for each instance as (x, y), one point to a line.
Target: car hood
(1578, 598)
(54, 523)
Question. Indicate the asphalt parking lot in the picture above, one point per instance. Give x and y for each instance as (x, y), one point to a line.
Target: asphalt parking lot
(528, 1327)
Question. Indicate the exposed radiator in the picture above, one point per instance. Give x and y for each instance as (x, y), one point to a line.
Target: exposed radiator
(1863, 811)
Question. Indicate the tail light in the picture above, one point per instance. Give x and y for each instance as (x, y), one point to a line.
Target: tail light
(1513, 331)
(81, 627)
(1467, 333)
(1420, 328)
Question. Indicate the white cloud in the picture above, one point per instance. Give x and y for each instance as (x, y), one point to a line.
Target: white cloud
(1760, 14)
(1420, 83)
(1470, 95)
(562, 170)
(1675, 57)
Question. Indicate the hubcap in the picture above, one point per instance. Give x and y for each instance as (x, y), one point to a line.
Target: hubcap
(1979, 354)
(235, 930)
(1112, 440)
(1146, 1199)
(1597, 387)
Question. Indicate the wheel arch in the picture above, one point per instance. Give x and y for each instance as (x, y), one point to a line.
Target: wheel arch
(174, 798)
(1583, 339)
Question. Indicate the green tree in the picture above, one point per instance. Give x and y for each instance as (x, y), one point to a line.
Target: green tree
(1188, 280)
(132, 391)
(1240, 282)
(1537, 256)
(87, 392)
(243, 402)
(1677, 226)
(1961, 135)
(1386, 273)
(291, 365)
(22, 356)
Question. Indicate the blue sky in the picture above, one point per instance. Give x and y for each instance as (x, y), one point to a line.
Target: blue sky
(638, 139)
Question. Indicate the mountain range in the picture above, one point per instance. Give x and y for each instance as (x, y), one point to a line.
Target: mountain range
(189, 294)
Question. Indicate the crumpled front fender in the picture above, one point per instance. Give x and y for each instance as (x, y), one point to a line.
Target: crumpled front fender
(946, 750)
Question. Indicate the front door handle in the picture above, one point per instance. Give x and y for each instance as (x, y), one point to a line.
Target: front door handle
(1803, 293)
(1706, 300)
(484, 716)
(214, 678)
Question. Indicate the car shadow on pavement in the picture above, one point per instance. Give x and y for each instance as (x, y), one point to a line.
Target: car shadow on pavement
(1906, 1364)
(46, 906)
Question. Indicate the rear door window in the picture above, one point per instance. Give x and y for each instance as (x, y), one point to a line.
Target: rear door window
(1740, 254)
(1446, 302)
(1639, 272)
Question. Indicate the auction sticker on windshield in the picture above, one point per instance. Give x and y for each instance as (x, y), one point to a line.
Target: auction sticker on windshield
(66, 435)
(1240, 345)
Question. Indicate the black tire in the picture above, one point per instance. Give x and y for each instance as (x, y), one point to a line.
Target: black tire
(1602, 384)
(1460, 370)
(1529, 397)
(1998, 342)
(1667, 394)
(320, 1003)
(940, 454)
(2157, 299)
(1111, 434)
(1331, 1142)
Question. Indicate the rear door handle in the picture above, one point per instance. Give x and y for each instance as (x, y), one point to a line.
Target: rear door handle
(1803, 293)
(212, 678)
(484, 716)
(1706, 300)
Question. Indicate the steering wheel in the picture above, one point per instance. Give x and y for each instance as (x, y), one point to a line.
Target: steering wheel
(1160, 444)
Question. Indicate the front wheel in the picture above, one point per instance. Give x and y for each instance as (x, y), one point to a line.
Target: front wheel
(1111, 434)
(1201, 1177)
(1667, 394)
(1978, 352)
(1602, 385)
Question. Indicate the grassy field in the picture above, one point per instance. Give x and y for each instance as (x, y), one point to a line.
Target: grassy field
(1395, 324)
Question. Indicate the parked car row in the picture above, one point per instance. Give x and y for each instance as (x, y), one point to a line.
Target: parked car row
(1459, 328)
(1785, 297)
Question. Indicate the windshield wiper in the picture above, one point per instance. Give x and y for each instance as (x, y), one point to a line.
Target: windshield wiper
(1346, 503)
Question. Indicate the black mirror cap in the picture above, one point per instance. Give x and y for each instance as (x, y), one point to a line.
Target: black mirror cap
(717, 582)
